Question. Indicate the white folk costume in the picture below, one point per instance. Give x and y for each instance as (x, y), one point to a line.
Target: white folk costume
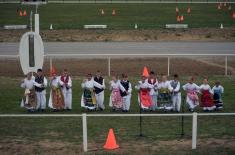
(56, 100)
(206, 98)
(176, 95)
(192, 97)
(40, 84)
(164, 95)
(115, 100)
(126, 95)
(99, 93)
(144, 97)
(66, 85)
(29, 100)
(153, 85)
(217, 97)
(88, 99)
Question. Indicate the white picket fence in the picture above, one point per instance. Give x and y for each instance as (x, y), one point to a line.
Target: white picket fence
(84, 120)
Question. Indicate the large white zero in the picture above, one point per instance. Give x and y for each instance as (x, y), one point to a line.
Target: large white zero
(38, 54)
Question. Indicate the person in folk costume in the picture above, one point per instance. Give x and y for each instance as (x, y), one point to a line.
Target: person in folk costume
(218, 90)
(115, 100)
(192, 98)
(126, 95)
(206, 96)
(176, 95)
(56, 100)
(88, 99)
(66, 85)
(99, 92)
(164, 96)
(40, 84)
(153, 84)
(29, 100)
(144, 97)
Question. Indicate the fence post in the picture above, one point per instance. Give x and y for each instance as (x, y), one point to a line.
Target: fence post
(226, 65)
(109, 66)
(194, 131)
(50, 63)
(168, 65)
(84, 131)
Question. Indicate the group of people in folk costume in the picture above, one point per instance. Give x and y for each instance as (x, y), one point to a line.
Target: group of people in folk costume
(35, 91)
(152, 94)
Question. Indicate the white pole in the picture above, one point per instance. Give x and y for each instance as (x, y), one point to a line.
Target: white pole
(36, 23)
(194, 131)
(109, 66)
(226, 65)
(168, 65)
(84, 131)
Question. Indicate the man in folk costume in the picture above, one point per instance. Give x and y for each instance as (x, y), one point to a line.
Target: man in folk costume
(99, 92)
(192, 98)
(29, 100)
(164, 96)
(206, 96)
(126, 95)
(88, 99)
(153, 84)
(66, 86)
(56, 100)
(115, 100)
(218, 90)
(176, 95)
(144, 97)
(40, 84)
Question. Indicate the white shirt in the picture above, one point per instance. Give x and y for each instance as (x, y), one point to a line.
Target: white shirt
(191, 87)
(116, 85)
(177, 88)
(165, 84)
(69, 84)
(55, 82)
(129, 89)
(91, 84)
(205, 87)
(40, 85)
(142, 84)
(153, 87)
(28, 84)
(219, 88)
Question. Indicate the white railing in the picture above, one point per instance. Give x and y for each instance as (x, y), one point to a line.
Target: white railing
(84, 120)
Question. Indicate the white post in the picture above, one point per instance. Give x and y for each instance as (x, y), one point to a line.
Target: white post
(50, 63)
(36, 24)
(84, 131)
(226, 65)
(168, 65)
(109, 66)
(194, 131)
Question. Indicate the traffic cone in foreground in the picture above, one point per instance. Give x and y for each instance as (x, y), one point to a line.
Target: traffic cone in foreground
(114, 12)
(111, 141)
(145, 72)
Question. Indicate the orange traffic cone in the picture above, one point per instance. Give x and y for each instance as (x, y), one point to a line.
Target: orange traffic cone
(113, 12)
(25, 13)
(102, 12)
(111, 141)
(145, 72)
(53, 71)
(189, 10)
(21, 13)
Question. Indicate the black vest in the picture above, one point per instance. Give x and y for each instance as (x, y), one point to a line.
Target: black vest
(39, 80)
(125, 84)
(100, 81)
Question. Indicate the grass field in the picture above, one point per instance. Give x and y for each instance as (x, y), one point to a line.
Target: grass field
(64, 135)
(147, 16)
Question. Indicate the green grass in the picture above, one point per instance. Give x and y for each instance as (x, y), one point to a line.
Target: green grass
(147, 16)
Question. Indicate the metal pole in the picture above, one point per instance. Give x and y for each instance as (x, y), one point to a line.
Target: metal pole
(84, 131)
(194, 131)
(109, 66)
(168, 65)
(226, 65)
(50, 63)
(182, 118)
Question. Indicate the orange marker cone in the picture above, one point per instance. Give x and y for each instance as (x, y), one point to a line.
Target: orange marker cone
(21, 13)
(113, 12)
(25, 13)
(111, 141)
(189, 10)
(145, 72)
(102, 12)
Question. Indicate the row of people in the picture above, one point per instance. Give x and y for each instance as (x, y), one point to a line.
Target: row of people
(152, 94)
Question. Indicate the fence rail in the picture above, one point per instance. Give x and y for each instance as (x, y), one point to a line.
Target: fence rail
(84, 120)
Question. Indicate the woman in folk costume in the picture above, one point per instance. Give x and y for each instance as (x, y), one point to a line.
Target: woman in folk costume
(88, 100)
(29, 100)
(153, 84)
(206, 96)
(164, 96)
(126, 94)
(176, 95)
(192, 98)
(56, 100)
(66, 86)
(144, 97)
(99, 93)
(218, 90)
(115, 100)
